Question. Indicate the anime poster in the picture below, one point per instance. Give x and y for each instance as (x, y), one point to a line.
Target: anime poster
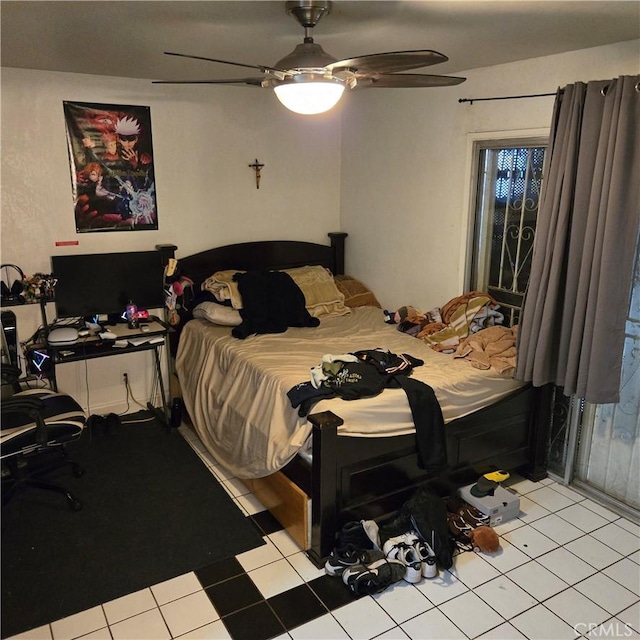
(112, 176)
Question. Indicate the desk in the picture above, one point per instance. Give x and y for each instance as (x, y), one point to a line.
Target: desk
(93, 346)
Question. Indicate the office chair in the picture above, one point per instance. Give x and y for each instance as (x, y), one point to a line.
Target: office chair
(36, 425)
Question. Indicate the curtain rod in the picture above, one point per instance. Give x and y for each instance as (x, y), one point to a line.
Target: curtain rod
(533, 95)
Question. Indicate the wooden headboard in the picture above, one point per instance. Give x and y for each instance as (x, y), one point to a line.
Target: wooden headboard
(265, 254)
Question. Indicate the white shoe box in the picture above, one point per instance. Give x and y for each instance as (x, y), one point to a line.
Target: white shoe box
(501, 507)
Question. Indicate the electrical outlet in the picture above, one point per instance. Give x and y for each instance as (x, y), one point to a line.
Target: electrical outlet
(125, 378)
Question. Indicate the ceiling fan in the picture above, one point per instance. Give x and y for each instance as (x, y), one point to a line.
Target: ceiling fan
(310, 81)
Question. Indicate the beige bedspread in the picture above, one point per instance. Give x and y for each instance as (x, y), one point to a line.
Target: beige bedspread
(236, 390)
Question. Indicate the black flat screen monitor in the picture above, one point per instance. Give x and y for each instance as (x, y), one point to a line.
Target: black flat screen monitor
(103, 283)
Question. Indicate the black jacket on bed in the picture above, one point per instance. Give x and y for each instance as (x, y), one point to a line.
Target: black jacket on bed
(271, 302)
(376, 370)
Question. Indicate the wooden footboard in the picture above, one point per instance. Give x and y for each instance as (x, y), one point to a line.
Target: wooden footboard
(370, 478)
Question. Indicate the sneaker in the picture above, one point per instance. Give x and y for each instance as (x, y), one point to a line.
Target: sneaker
(403, 548)
(498, 476)
(367, 579)
(427, 557)
(458, 527)
(473, 516)
(363, 534)
(373, 532)
(342, 558)
(97, 425)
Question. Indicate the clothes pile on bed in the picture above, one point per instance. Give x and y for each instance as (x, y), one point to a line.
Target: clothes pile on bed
(468, 326)
(321, 295)
(367, 373)
(269, 301)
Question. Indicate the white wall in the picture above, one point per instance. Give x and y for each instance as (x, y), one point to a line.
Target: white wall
(405, 167)
(204, 138)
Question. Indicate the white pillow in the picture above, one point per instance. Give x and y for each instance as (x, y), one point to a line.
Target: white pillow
(218, 314)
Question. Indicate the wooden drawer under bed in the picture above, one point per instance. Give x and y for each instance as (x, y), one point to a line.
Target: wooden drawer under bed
(289, 504)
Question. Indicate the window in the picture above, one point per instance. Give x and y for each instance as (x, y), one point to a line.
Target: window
(509, 179)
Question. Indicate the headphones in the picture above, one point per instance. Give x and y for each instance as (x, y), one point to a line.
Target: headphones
(12, 293)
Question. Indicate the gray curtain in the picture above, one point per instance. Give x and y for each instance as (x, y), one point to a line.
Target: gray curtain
(572, 323)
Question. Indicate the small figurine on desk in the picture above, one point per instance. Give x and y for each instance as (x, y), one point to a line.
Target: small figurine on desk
(132, 315)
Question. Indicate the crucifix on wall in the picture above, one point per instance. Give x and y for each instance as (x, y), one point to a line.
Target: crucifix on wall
(257, 167)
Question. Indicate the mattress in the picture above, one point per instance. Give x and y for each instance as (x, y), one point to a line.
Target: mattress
(236, 390)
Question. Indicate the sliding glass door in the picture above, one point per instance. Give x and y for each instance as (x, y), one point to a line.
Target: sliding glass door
(607, 458)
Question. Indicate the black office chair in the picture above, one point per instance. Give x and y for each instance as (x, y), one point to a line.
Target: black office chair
(36, 425)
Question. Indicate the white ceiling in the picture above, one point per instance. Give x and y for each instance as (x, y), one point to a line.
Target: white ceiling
(128, 38)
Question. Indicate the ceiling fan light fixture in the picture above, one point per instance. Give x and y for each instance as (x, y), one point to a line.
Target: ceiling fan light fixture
(311, 96)
(310, 81)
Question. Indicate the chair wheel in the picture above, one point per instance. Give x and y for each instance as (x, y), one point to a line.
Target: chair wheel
(75, 504)
(77, 471)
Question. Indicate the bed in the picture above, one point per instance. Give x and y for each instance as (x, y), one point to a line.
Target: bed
(317, 471)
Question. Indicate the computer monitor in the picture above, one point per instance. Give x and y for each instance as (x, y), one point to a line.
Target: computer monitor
(101, 284)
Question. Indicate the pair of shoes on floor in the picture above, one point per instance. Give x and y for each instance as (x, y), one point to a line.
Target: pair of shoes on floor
(363, 534)
(350, 555)
(104, 425)
(375, 575)
(426, 515)
(415, 553)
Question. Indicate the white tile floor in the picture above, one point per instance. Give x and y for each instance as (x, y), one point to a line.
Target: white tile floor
(567, 568)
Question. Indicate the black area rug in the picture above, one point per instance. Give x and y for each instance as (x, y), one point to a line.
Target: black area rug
(152, 511)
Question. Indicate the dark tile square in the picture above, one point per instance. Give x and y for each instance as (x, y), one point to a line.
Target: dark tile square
(332, 591)
(234, 594)
(266, 522)
(257, 622)
(256, 526)
(297, 606)
(218, 572)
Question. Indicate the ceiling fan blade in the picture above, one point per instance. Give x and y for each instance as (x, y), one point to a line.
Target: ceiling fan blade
(261, 67)
(391, 62)
(253, 82)
(406, 81)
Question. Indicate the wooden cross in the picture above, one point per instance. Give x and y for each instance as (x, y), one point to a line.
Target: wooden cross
(257, 167)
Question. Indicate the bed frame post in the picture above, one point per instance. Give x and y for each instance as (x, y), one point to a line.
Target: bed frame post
(166, 251)
(324, 490)
(337, 242)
